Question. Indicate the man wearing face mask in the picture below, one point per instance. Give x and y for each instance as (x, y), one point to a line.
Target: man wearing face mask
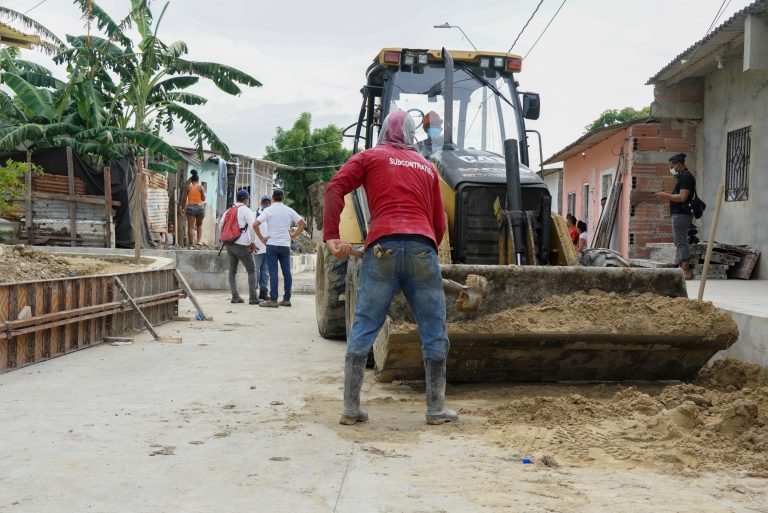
(433, 126)
(679, 210)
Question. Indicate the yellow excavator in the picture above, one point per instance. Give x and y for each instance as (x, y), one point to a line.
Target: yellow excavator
(504, 248)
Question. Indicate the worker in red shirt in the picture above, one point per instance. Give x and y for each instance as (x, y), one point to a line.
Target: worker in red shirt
(407, 225)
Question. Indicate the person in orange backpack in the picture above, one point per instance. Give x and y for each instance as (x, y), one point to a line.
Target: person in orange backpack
(240, 240)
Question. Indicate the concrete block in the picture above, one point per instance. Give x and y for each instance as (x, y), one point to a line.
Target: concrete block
(678, 110)
(755, 44)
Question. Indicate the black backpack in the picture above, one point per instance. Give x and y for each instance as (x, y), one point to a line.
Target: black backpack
(696, 205)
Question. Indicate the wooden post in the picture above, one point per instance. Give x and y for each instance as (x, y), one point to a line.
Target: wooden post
(28, 213)
(72, 202)
(108, 206)
(711, 240)
(138, 200)
(185, 286)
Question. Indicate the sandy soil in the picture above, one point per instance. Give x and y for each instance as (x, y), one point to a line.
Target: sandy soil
(607, 312)
(22, 263)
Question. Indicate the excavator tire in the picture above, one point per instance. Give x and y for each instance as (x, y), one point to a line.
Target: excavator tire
(330, 293)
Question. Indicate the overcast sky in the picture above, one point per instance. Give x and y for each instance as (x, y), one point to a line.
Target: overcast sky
(312, 55)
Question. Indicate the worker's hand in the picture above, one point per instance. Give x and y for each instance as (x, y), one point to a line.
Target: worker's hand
(253, 247)
(339, 248)
(662, 195)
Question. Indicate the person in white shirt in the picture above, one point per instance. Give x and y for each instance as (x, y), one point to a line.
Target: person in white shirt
(279, 218)
(262, 269)
(241, 251)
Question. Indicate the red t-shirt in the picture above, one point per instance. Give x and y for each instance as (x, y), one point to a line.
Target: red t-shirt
(403, 192)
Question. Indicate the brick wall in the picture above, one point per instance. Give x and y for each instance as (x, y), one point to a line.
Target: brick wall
(652, 145)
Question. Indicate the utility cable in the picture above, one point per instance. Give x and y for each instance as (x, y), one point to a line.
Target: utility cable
(545, 30)
(525, 26)
(38, 4)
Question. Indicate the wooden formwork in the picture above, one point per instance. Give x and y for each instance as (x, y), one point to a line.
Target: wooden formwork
(68, 314)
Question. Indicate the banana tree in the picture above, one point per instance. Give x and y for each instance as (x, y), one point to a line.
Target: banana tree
(147, 81)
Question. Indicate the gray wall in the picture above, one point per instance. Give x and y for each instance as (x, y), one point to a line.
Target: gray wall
(735, 99)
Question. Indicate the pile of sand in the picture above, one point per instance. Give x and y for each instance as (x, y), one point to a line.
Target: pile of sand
(609, 312)
(685, 425)
(604, 312)
(23, 263)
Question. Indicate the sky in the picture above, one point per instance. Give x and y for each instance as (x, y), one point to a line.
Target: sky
(312, 55)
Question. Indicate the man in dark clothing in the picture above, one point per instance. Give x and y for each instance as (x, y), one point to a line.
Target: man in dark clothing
(679, 210)
(407, 225)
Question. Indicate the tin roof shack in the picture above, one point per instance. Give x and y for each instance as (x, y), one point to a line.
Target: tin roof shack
(633, 156)
(70, 204)
(221, 179)
(721, 83)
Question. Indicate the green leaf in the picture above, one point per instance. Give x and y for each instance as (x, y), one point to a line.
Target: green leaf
(151, 142)
(226, 78)
(173, 83)
(31, 97)
(198, 130)
(162, 167)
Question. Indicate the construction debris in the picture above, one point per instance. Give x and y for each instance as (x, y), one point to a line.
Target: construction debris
(728, 261)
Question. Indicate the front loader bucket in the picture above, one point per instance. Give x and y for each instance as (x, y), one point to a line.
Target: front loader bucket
(540, 323)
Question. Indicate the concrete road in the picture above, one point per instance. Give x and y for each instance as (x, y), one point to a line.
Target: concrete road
(242, 417)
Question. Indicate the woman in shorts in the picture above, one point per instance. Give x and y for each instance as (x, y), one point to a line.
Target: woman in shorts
(193, 204)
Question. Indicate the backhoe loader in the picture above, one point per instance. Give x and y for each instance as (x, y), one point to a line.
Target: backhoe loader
(501, 233)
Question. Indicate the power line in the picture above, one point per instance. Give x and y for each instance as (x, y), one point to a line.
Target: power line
(38, 4)
(545, 29)
(723, 6)
(525, 26)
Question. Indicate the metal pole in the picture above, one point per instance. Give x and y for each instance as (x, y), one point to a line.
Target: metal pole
(711, 241)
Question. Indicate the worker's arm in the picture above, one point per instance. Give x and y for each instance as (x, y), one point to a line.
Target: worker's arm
(256, 229)
(438, 212)
(349, 178)
(680, 197)
(300, 228)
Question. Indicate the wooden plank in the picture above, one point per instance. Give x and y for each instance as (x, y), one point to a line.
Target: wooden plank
(79, 199)
(108, 206)
(28, 213)
(4, 305)
(185, 286)
(136, 308)
(22, 340)
(72, 203)
(67, 298)
(39, 290)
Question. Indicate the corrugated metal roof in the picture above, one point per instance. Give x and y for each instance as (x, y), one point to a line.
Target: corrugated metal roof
(157, 210)
(11, 36)
(683, 66)
(588, 140)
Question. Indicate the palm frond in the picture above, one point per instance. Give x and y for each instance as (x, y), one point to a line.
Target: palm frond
(8, 110)
(151, 142)
(174, 83)
(198, 130)
(179, 97)
(30, 24)
(30, 96)
(226, 78)
(162, 167)
(34, 133)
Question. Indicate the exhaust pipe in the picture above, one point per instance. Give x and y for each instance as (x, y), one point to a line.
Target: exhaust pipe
(515, 213)
(448, 100)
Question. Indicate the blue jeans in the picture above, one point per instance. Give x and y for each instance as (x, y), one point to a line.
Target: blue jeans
(262, 270)
(413, 267)
(280, 254)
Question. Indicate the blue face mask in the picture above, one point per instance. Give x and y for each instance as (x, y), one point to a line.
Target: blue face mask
(433, 133)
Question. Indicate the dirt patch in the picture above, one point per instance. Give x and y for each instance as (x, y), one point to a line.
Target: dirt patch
(732, 375)
(22, 263)
(604, 312)
(683, 426)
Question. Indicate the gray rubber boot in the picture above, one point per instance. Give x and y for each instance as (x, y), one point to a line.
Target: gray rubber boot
(437, 413)
(354, 371)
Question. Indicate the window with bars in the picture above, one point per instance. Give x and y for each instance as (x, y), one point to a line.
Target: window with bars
(737, 165)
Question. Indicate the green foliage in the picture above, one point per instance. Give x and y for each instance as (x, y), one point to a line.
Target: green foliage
(614, 117)
(12, 182)
(302, 147)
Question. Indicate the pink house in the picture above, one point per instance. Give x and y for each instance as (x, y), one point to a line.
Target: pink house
(636, 155)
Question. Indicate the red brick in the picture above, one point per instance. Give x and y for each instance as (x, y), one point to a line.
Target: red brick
(645, 130)
(650, 144)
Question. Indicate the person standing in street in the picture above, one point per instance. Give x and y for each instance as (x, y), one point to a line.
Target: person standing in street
(407, 225)
(193, 206)
(241, 250)
(680, 212)
(260, 257)
(279, 219)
